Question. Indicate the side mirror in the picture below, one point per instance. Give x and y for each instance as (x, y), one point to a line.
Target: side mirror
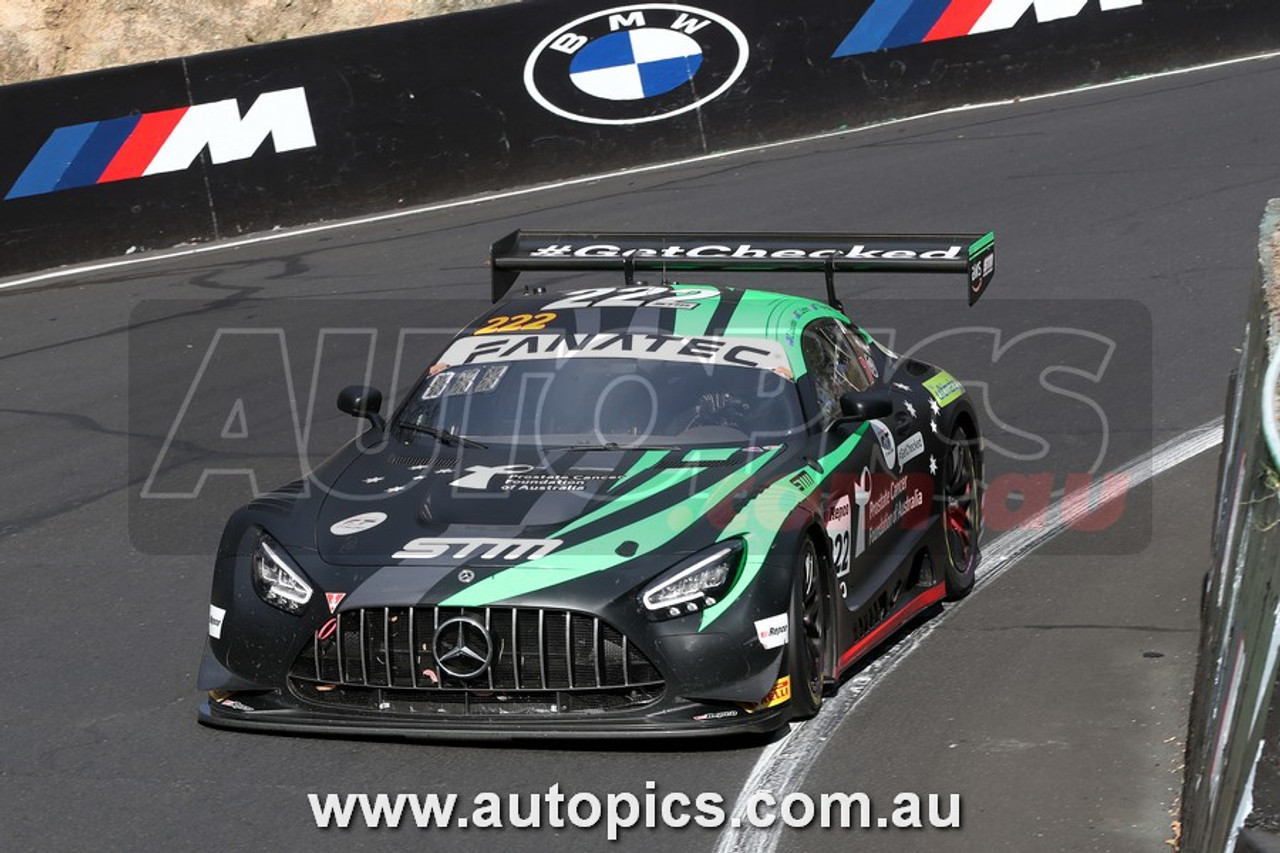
(361, 401)
(866, 405)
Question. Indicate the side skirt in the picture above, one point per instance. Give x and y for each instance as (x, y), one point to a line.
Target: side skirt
(891, 622)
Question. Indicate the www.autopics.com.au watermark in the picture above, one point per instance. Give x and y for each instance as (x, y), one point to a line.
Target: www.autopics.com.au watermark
(228, 404)
(616, 812)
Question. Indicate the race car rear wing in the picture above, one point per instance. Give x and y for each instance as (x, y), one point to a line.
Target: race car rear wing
(972, 254)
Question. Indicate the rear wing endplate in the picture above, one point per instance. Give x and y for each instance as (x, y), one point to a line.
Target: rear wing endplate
(971, 254)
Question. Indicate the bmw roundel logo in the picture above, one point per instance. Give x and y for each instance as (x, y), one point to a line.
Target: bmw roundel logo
(636, 64)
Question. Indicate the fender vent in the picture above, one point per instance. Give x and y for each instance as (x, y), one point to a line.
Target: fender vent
(413, 461)
(916, 368)
(705, 463)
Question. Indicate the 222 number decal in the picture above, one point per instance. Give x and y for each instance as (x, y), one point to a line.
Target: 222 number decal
(516, 323)
(632, 297)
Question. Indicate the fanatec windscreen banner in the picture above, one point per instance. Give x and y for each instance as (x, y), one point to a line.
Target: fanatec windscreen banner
(221, 144)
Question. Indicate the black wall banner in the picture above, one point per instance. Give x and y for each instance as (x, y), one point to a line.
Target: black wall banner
(226, 143)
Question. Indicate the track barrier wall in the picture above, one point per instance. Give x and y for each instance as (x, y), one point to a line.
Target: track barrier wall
(222, 144)
(1233, 765)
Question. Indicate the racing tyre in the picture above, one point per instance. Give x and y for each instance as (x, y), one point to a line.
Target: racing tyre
(961, 514)
(807, 645)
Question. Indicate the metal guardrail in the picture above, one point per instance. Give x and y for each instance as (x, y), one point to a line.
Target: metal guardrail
(1231, 710)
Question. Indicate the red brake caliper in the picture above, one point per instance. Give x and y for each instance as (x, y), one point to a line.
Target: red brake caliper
(958, 519)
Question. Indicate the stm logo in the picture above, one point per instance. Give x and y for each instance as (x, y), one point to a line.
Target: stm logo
(897, 23)
(635, 64)
(136, 146)
(434, 547)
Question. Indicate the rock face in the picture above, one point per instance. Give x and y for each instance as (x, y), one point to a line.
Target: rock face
(47, 38)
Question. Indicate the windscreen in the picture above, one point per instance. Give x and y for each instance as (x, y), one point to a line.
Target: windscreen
(566, 402)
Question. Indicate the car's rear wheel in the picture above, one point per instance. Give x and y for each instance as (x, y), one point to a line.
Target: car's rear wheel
(807, 644)
(961, 514)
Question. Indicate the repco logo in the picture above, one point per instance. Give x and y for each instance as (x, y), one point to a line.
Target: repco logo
(635, 64)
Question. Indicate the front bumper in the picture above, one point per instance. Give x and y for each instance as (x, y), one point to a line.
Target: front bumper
(597, 668)
(372, 674)
(270, 714)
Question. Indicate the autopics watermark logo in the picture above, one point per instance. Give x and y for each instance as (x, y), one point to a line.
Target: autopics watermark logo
(636, 64)
(1062, 390)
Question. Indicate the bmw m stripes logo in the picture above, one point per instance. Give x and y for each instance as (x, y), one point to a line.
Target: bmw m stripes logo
(897, 23)
(635, 64)
(136, 146)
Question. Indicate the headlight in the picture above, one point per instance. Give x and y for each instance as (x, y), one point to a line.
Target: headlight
(695, 583)
(276, 580)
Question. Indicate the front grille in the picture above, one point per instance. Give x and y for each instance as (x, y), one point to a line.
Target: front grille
(543, 661)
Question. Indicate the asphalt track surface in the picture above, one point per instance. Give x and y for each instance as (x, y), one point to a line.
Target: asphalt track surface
(1054, 701)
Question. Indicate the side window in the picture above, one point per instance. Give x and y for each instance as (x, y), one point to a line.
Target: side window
(839, 362)
(862, 372)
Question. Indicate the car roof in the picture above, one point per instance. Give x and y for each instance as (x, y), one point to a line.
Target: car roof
(704, 310)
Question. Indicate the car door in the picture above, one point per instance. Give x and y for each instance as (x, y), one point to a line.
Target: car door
(857, 493)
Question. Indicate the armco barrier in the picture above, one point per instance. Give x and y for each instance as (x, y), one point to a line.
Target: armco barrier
(1240, 629)
(226, 143)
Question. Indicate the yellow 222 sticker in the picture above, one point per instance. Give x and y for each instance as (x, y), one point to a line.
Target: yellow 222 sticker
(944, 387)
(515, 323)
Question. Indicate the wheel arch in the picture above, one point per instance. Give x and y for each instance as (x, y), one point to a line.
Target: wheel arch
(818, 535)
(966, 418)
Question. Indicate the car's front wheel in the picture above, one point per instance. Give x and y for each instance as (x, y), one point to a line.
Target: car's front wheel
(807, 643)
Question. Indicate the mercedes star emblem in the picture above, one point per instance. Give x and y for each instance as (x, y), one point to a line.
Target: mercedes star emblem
(462, 647)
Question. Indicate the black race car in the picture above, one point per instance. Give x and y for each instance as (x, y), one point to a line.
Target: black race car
(642, 509)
